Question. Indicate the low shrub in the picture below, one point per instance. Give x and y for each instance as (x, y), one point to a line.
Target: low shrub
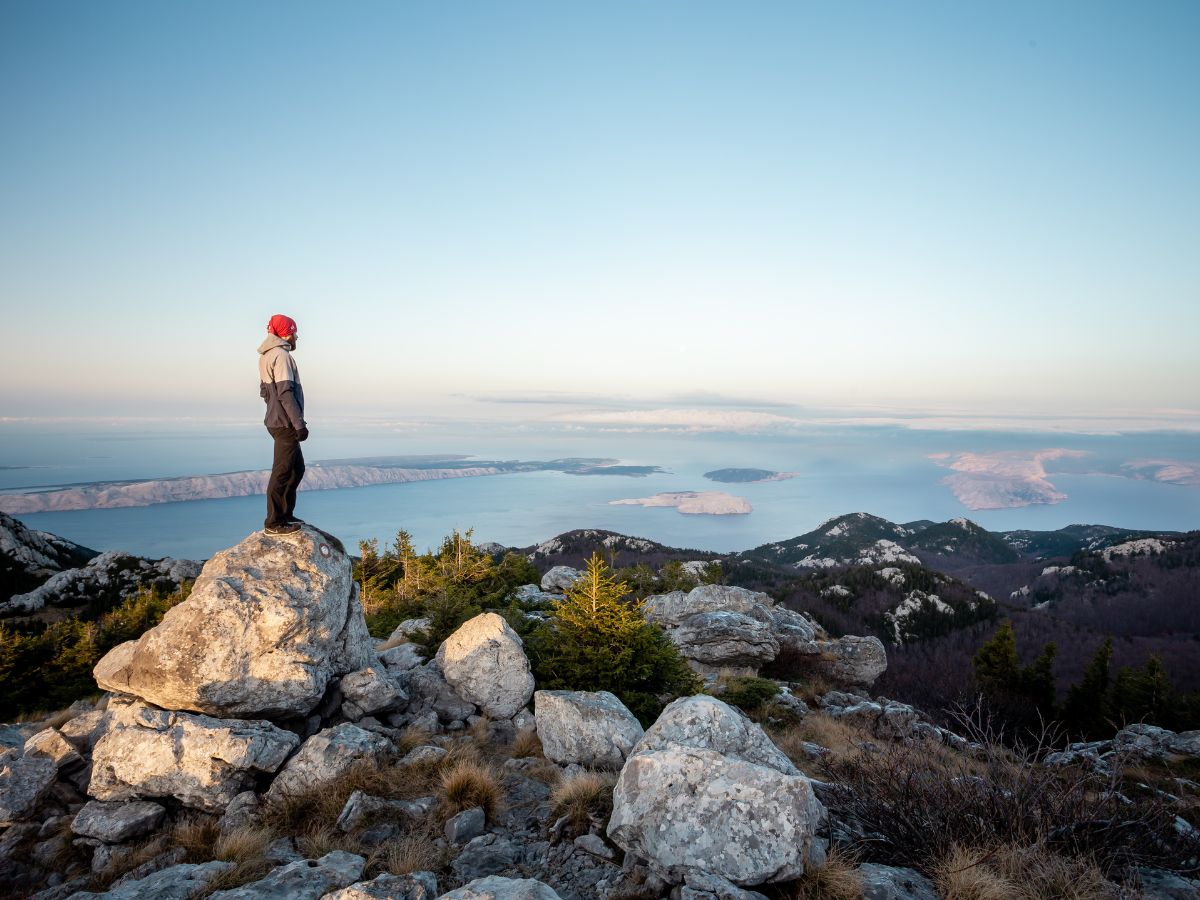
(748, 692)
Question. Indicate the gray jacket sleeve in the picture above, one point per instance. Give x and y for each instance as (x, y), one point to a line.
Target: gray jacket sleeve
(287, 388)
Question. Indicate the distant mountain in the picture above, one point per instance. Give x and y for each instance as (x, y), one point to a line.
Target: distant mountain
(840, 541)
(28, 557)
(572, 548)
(1073, 538)
(961, 538)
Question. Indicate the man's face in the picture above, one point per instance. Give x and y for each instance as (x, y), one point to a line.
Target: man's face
(292, 340)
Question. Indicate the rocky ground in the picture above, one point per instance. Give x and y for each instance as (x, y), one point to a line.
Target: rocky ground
(258, 743)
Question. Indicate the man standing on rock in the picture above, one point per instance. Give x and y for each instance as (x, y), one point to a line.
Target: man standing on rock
(279, 386)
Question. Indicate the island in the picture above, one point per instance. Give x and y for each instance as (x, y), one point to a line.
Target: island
(693, 503)
(330, 474)
(747, 476)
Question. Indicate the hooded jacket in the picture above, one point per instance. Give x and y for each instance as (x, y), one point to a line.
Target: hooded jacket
(279, 384)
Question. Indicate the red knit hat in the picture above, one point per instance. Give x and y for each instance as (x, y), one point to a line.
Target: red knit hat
(282, 326)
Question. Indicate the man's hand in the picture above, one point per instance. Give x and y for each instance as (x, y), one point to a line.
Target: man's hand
(302, 434)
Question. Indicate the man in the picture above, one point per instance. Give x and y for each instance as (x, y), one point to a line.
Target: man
(279, 386)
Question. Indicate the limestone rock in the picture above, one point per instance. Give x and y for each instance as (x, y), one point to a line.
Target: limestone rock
(83, 731)
(593, 729)
(410, 627)
(892, 883)
(50, 742)
(559, 578)
(851, 660)
(487, 854)
(706, 793)
(115, 823)
(430, 692)
(326, 756)
(268, 625)
(722, 639)
(372, 691)
(360, 807)
(465, 826)
(495, 887)
(485, 664)
(305, 879)
(241, 812)
(179, 882)
(24, 781)
(402, 657)
(201, 761)
(414, 886)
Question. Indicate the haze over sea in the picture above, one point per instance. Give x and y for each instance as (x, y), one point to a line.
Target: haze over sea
(885, 470)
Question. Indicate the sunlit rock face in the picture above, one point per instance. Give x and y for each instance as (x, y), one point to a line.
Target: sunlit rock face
(485, 664)
(270, 623)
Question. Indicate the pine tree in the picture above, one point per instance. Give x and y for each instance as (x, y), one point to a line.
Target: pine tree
(996, 665)
(1037, 682)
(1086, 712)
(599, 641)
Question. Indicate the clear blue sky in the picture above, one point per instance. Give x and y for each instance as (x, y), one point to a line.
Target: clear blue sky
(986, 206)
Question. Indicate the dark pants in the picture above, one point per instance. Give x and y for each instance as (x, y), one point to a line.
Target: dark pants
(286, 473)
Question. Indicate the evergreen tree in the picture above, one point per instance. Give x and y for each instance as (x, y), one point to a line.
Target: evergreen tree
(597, 641)
(1037, 682)
(1086, 713)
(996, 666)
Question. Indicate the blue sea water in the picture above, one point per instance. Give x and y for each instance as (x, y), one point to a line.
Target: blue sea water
(884, 471)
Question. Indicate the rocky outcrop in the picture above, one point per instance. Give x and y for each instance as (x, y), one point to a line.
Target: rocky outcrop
(591, 729)
(29, 557)
(269, 624)
(304, 879)
(485, 664)
(850, 660)
(108, 577)
(705, 792)
(202, 762)
(178, 882)
(370, 691)
(414, 886)
(117, 822)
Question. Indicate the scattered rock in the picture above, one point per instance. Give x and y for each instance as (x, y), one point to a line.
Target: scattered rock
(201, 761)
(50, 742)
(326, 756)
(410, 627)
(116, 822)
(487, 854)
(485, 664)
(305, 879)
(594, 844)
(84, 730)
(361, 807)
(372, 691)
(402, 657)
(429, 692)
(241, 812)
(422, 754)
(714, 887)
(559, 578)
(495, 887)
(269, 623)
(592, 729)
(415, 886)
(24, 781)
(465, 826)
(179, 882)
(705, 792)
(892, 883)
(850, 660)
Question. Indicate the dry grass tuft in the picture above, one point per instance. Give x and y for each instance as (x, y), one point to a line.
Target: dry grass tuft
(836, 879)
(415, 852)
(1046, 875)
(584, 799)
(526, 744)
(469, 783)
(239, 845)
(316, 842)
(196, 834)
(393, 641)
(965, 875)
(410, 739)
(481, 731)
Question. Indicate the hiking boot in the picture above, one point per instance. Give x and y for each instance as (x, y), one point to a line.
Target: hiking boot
(286, 528)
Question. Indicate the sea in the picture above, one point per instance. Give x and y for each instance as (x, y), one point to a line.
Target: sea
(884, 470)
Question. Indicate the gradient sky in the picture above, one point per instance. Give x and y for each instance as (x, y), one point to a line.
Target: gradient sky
(990, 207)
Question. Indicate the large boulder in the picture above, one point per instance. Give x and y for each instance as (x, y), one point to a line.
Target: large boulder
(201, 761)
(850, 660)
(485, 664)
(178, 882)
(592, 729)
(559, 579)
(705, 792)
(325, 757)
(414, 886)
(269, 624)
